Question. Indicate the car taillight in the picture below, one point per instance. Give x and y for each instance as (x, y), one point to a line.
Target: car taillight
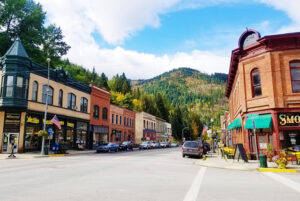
(199, 149)
(182, 149)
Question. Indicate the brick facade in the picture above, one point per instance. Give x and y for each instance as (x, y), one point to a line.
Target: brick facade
(272, 56)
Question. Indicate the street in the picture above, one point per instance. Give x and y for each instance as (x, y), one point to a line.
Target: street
(148, 175)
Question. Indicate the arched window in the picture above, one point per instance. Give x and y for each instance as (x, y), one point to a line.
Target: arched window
(71, 101)
(60, 98)
(295, 75)
(50, 94)
(256, 85)
(104, 113)
(34, 91)
(83, 104)
(96, 111)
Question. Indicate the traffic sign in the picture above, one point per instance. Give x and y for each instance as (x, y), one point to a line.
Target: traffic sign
(50, 131)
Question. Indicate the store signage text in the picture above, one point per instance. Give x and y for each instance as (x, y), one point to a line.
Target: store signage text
(289, 119)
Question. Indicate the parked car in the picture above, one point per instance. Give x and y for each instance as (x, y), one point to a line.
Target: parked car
(107, 147)
(126, 145)
(157, 145)
(152, 145)
(163, 144)
(192, 148)
(168, 144)
(174, 144)
(145, 145)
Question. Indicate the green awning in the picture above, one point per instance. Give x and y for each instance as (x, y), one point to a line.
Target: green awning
(260, 121)
(237, 123)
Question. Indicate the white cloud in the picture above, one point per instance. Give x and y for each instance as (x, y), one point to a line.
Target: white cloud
(116, 21)
(291, 8)
(141, 65)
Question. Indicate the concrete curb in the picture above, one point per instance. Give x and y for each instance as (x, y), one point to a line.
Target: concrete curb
(277, 170)
(225, 167)
(24, 156)
(247, 169)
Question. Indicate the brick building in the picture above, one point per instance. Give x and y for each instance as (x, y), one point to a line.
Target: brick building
(122, 124)
(263, 88)
(22, 103)
(145, 127)
(99, 116)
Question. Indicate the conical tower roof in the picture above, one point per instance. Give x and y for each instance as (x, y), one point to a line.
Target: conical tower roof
(17, 49)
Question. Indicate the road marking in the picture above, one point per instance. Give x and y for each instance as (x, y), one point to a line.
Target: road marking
(192, 194)
(283, 180)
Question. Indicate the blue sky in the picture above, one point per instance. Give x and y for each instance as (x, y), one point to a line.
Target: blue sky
(149, 38)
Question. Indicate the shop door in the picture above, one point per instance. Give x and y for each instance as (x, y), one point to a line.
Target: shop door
(8, 139)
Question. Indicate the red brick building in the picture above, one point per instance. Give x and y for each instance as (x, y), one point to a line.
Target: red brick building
(263, 89)
(100, 115)
(122, 124)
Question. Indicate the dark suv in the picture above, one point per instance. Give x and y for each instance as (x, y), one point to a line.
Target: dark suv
(126, 145)
(192, 148)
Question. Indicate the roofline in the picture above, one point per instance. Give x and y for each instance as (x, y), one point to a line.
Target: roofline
(93, 86)
(237, 52)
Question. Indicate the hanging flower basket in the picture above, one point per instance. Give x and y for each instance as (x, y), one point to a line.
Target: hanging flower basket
(43, 133)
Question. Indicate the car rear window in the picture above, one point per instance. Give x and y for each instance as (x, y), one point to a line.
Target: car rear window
(190, 144)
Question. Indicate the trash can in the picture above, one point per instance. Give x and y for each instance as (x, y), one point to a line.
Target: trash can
(263, 161)
(46, 150)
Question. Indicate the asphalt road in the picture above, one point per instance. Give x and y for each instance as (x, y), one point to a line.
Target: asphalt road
(150, 175)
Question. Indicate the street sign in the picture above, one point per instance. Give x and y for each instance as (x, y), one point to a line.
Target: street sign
(50, 131)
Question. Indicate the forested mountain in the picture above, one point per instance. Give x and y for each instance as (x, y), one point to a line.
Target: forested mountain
(199, 95)
(186, 86)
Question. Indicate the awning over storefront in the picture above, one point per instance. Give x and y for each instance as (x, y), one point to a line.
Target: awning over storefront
(260, 121)
(237, 123)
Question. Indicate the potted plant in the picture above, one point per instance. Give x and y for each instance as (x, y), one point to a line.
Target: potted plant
(270, 152)
(281, 160)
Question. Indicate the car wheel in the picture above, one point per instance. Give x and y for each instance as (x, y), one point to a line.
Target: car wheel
(117, 150)
(97, 151)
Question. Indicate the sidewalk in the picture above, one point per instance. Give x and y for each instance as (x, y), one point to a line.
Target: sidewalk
(215, 160)
(30, 155)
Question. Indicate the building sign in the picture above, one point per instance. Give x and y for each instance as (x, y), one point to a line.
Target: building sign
(289, 119)
(32, 120)
(69, 124)
(12, 118)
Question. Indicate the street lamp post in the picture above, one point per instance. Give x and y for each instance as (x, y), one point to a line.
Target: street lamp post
(182, 135)
(212, 134)
(46, 108)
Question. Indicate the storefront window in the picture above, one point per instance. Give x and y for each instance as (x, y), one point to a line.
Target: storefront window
(32, 141)
(118, 136)
(70, 138)
(256, 85)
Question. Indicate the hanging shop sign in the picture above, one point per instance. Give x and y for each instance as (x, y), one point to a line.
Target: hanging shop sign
(289, 119)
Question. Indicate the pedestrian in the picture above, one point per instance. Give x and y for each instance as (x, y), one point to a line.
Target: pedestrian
(13, 146)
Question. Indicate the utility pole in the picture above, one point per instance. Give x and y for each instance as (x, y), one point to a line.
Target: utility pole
(182, 135)
(46, 108)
